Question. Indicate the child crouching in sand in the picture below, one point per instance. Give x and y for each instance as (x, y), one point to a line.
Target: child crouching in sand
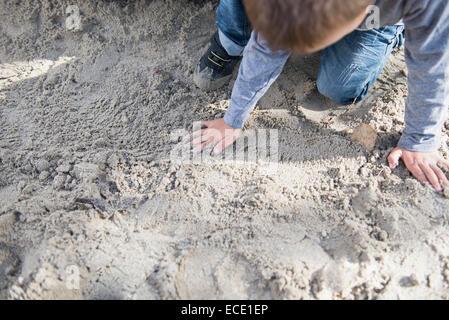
(354, 54)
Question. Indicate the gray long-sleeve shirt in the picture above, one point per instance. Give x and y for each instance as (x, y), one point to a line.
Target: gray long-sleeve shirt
(427, 57)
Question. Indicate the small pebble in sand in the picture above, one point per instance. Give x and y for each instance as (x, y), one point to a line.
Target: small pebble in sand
(364, 257)
(28, 168)
(44, 176)
(411, 281)
(59, 181)
(65, 168)
(366, 135)
(446, 191)
(28, 189)
(382, 235)
(364, 172)
(163, 75)
(42, 165)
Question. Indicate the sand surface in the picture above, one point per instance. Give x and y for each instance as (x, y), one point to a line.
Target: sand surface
(88, 188)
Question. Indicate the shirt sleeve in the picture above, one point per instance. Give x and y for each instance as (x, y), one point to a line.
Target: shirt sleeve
(259, 68)
(427, 58)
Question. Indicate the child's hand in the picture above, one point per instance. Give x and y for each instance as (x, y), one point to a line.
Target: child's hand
(216, 132)
(423, 165)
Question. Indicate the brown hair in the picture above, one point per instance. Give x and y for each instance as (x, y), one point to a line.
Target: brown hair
(300, 24)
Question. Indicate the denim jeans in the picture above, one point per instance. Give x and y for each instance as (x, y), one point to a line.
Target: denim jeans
(234, 28)
(348, 68)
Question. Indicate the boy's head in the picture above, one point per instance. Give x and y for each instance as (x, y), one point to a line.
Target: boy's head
(305, 26)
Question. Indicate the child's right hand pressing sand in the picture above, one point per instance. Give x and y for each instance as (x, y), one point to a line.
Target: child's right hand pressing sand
(425, 166)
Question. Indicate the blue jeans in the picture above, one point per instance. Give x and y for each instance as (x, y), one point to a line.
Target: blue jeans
(348, 68)
(234, 28)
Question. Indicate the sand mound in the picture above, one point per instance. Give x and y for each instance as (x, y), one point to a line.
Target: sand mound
(91, 206)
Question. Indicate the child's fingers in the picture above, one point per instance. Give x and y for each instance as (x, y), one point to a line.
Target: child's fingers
(220, 146)
(441, 176)
(201, 146)
(394, 157)
(415, 169)
(193, 137)
(431, 176)
(200, 139)
(224, 143)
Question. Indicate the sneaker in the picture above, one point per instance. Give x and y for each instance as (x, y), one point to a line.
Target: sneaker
(215, 67)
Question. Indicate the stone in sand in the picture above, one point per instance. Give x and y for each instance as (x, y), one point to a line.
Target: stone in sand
(366, 135)
(446, 191)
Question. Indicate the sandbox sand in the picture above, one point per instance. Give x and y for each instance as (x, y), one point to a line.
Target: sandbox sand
(87, 185)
